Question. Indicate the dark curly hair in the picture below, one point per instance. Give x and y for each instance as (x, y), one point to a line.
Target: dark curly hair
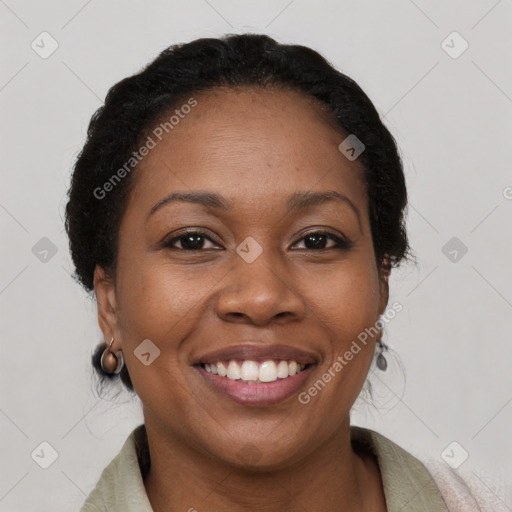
(136, 103)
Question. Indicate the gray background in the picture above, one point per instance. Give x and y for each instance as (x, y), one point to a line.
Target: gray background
(452, 120)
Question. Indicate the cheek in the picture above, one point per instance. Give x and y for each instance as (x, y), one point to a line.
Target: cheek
(159, 304)
(349, 315)
(348, 300)
(157, 296)
(358, 299)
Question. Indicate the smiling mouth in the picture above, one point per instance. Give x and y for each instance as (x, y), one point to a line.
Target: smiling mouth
(251, 371)
(255, 373)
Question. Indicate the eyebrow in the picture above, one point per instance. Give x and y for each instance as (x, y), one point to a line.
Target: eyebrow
(207, 199)
(296, 201)
(302, 200)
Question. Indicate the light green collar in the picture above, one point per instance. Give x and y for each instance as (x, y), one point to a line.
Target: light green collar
(408, 486)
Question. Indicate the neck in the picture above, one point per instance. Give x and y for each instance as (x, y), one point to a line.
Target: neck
(333, 478)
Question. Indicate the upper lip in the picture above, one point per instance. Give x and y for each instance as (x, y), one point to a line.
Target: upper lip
(258, 351)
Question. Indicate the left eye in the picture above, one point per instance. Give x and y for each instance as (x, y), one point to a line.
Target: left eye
(318, 239)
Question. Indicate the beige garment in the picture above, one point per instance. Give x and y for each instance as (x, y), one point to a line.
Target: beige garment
(408, 485)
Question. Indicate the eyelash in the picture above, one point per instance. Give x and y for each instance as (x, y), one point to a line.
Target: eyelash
(340, 242)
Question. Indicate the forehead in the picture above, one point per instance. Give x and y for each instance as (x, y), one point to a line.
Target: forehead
(253, 146)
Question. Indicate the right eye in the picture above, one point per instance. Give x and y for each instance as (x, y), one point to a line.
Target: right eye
(189, 240)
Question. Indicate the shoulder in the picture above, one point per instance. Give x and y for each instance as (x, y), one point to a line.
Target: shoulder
(120, 487)
(427, 484)
(483, 491)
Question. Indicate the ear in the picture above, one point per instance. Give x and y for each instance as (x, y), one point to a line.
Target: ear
(106, 298)
(384, 273)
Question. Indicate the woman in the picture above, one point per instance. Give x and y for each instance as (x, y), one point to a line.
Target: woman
(237, 209)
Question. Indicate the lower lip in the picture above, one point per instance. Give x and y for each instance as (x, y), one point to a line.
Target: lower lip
(257, 393)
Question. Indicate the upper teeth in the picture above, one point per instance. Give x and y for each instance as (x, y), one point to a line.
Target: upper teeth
(264, 371)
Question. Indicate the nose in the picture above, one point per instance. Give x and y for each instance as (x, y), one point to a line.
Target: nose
(259, 293)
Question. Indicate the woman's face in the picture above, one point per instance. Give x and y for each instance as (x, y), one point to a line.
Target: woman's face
(256, 276)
